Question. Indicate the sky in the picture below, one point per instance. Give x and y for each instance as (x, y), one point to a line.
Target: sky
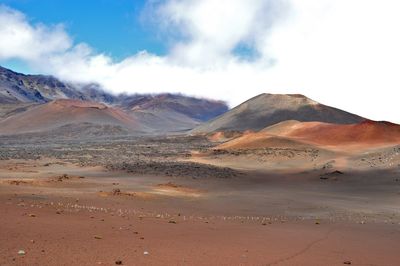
(343, 53)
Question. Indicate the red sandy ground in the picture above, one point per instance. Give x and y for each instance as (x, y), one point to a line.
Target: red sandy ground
(69, 239)
(70, 222)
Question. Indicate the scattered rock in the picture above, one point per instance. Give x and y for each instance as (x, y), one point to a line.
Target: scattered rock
(118, 262)
(21, 252)
(116, 191)
(333, 174)
(98, 237)
(62, 177)
(347, 262)
(146, 253)
(172, 222)
(32, 215)
(17, 182)
(337, 172)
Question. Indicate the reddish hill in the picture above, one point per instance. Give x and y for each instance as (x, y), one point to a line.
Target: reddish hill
(261, 140)
(367, 132)
(297, 134)
(63, 112)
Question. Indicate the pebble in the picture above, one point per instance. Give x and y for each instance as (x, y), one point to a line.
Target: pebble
(21, 252)
(146, 253)
(118, 262)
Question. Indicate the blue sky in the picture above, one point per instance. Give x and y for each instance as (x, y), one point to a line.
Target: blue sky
(114, 27)
(330, 50)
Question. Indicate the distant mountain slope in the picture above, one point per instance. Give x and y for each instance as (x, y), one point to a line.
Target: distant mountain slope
(199, 109)
(268, 109)
(171, 112)
(158, 113)
(60, 113)
(20, 88)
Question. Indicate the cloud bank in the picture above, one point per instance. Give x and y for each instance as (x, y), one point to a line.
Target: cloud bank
(343, 53)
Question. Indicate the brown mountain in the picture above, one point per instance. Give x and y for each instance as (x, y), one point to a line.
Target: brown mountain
(268, 109)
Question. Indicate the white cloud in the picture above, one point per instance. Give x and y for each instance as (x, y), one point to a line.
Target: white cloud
(343, 53)
(21, 40)
(212, 29)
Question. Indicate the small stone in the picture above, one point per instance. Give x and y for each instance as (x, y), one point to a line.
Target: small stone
(116, 191)
(98, 237)
(317, 222)
(32, 241)
(347, 262)
(32, 215)
(146, 253)
(21, 252)
(118, 262)
(172, 222)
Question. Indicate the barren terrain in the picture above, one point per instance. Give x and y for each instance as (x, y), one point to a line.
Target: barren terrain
(179, 200)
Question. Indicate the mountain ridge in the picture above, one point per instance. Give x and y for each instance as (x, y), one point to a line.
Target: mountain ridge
(161, 113)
